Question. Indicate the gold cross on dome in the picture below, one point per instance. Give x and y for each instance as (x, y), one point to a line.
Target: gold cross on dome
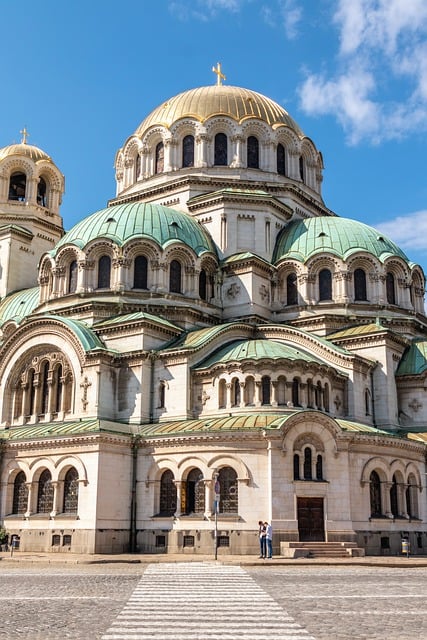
(219, 75)
(25, 135)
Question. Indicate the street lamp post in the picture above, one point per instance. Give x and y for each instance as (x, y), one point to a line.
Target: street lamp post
(217, 489)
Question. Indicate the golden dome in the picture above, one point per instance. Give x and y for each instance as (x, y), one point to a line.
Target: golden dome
(219, 100)
(24, 149)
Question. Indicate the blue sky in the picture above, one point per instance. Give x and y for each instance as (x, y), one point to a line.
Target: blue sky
(81, 76)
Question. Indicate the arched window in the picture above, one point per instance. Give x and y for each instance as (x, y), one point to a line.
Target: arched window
(44, 388)
(41, 192)
(104, 272)
(194, 493)
(319, 467)
(249, 391)
(222, 394)
(32, 392)
(390, 288)
(45, 493)
(394, 503)
(58, 388)
(140, 271)
(235, 393)
(291, 289)
(188, 151)
(253, 152)
(360, 285)
(265, 390)
(295, 392)
(302, 168)
(228, 497)
(281, 161)
(159, 160)
(72, 276)
(203, 293)
(325, 285)
(20, 494)
(220, 150)
(17, 186)
(308, 471)
(175, 277)
(375, 495)
(167, 494)
(296, 466)
(71, 491)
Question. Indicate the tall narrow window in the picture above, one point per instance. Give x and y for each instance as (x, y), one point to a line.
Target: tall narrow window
(140, 270)
(137, 166)
(175, 277)
(394, 505)
(203, 293)
(291, 289)
(32, 392)
(308, 471)
(220, 149)
(295, 392)
(390, 288)
(195, 493)
(104, 272)
(253, 152)
(17, 186)
(71, 491)
(302, 168)
(265, 390)
(228, 501)
(159, 160)
(281, 163)
(20, 494)
(41, 192)
(72, 276)
(45, 493)
(58, 389)
(360, 285)
(235, 393)
(188, 151)
(167, 494)
(45, 388)
(325, 285)
(319, 467)
(296, 467)
(375, 494)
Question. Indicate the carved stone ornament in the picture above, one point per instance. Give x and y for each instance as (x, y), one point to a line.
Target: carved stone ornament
(233, 291)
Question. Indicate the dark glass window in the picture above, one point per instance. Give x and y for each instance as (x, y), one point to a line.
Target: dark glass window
(319, 468)
(360, 285)
(390, 288)
(104, 272)
(308, 471)
(45, 388)
(58, 389)
(265, 390)
(281, 162)
(302, 168)
(203, 285)
(17, 186)
(71, 491)
(295, 392)
(235, 393)
(72, 276)
(140, 271)
(228, 502)
(375, 494)
(32, 392)
(20, 494)
(45, 493)
(175, 277)
(296, 466)
(41, 192)
(253, 152)
(394, 507)
(159, 163)
(167, 494)
(291, 289)
(188, 151)
(220, 152)
(195, 492)
(325, 285)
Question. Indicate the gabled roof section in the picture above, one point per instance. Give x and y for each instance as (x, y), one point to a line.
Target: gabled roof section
(414, 360)
(358, 330)
(136, 317)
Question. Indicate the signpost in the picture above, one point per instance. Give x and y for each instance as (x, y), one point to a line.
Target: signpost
(216, 509)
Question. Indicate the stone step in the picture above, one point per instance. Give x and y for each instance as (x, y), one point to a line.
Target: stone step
(320, 550)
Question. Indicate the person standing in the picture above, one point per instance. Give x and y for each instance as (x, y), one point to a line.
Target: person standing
(262, 539)
(269, 539)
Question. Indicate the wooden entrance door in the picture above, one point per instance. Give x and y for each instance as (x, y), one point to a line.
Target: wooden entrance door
(311, 521)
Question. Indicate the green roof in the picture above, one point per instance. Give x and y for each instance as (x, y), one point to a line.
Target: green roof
(61, 429)
(198, 337)
(358, 330)
(240, 350)
(136, 316)
(414, 360)
(19, 305)
(302, 239)
(124, 222)
(84, 333)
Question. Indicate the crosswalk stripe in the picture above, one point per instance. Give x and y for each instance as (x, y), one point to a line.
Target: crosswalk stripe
(201, 601)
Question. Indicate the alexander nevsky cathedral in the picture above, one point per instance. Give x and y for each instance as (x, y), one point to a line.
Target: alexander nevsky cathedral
(213, 347)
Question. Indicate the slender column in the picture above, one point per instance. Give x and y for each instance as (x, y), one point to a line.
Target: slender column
(56, 495)
(178, 484)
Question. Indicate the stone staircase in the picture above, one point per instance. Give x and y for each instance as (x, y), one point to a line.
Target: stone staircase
(321, 550)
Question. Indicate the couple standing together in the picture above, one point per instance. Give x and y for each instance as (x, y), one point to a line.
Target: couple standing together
(265, 539)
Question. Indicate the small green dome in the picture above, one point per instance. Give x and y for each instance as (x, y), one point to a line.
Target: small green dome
(302, 239)
(18, 305)
(123, 222)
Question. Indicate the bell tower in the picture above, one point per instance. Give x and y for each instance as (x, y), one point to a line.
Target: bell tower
(31, 190)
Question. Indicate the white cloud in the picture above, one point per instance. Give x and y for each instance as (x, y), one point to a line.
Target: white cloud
(203, 9)
(408, 231)
(284, 13)
(382, 42)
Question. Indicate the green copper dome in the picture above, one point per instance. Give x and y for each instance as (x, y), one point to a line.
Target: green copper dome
(124, 222)
(18, 305)
(302, 239)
